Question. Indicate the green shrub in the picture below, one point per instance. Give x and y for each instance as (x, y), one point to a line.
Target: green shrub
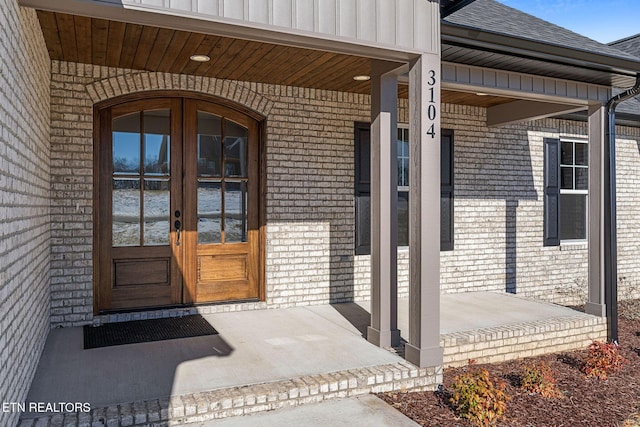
(476, 398)
(539, 379)
(603, 360)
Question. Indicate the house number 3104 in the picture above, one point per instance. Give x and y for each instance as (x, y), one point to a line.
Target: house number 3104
(432, 111)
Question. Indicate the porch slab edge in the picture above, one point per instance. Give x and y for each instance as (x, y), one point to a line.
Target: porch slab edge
(509, 342)
(249, 399)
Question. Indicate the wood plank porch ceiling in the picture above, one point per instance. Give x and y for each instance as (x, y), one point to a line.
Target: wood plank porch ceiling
(102, 42)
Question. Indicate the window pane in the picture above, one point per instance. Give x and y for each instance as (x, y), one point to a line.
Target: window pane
(364, 158)
(566, 158)
(157, 131)
(566, 176)
(126, 212)
(573, 216)
(235, 212)
(582, 154)
(363, 229)
(445, 164)
(403, 172)
(156, 212)
(209, 145)
(126, 144)
(235, 149)
(445, 216)
(582, 178)
(209, 212)
(403, 218)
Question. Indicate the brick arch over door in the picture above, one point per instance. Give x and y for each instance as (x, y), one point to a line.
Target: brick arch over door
(125, 84)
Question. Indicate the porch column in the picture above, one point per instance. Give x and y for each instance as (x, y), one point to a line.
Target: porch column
(423, 348)
(597, 158)
(384, 331)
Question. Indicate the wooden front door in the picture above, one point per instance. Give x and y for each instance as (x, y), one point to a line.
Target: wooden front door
(177, 204)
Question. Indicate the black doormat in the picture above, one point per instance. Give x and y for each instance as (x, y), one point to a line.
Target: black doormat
(138, 331)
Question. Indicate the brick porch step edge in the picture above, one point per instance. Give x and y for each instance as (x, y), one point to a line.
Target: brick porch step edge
(244, 400)
(509, 342)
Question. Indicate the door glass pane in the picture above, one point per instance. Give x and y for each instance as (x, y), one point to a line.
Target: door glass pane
(235, 149)
(209, 212)
(235, 212)
(156, 212)
(126, 144)
(126, 212)
(157, 131)
(209, 145)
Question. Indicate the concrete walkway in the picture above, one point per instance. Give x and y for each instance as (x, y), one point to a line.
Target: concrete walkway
(271, 359)
(252, 347)
(361, 411)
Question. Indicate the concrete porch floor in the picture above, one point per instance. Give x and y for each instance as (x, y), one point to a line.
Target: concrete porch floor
(262, 358)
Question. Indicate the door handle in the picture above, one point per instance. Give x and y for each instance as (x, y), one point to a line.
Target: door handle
(177, 224)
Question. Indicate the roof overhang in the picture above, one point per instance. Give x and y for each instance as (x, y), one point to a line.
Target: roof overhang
(359, 32)
(575, 64)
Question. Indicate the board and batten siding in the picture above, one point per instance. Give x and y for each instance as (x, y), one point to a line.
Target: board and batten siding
(394, 25)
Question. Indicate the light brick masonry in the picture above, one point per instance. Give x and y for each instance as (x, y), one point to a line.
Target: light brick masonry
(310, 196)
(24, 201)
(245, 400)
(527, 339)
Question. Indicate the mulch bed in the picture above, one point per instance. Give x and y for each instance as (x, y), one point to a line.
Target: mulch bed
(586, 402)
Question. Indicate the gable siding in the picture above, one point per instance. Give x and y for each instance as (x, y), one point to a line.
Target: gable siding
(24, 201)
(393, 25)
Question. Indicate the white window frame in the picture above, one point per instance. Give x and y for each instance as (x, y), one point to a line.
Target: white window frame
(574, 141)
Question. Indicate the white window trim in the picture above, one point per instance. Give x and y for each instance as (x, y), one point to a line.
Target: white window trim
(576, 242)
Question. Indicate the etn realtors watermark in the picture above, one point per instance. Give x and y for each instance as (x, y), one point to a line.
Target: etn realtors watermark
(44, 407)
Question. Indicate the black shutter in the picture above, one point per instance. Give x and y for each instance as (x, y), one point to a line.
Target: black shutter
(362, 141)
(551, 192)
(446, 190)
(363, 187)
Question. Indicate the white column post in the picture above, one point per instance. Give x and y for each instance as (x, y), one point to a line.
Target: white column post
(597, 158)
(384, 201)
(423, 348)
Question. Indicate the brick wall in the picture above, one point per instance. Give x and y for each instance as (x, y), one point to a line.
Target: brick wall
(628, 185)
(309, 150)
(310, 205)
(498, 213)
(24, 201)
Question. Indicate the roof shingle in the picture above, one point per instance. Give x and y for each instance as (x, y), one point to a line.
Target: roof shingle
(492, 16)
(630, 45)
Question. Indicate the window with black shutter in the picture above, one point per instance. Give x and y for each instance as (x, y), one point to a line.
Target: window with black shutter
(363, 188)
(566, 178)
